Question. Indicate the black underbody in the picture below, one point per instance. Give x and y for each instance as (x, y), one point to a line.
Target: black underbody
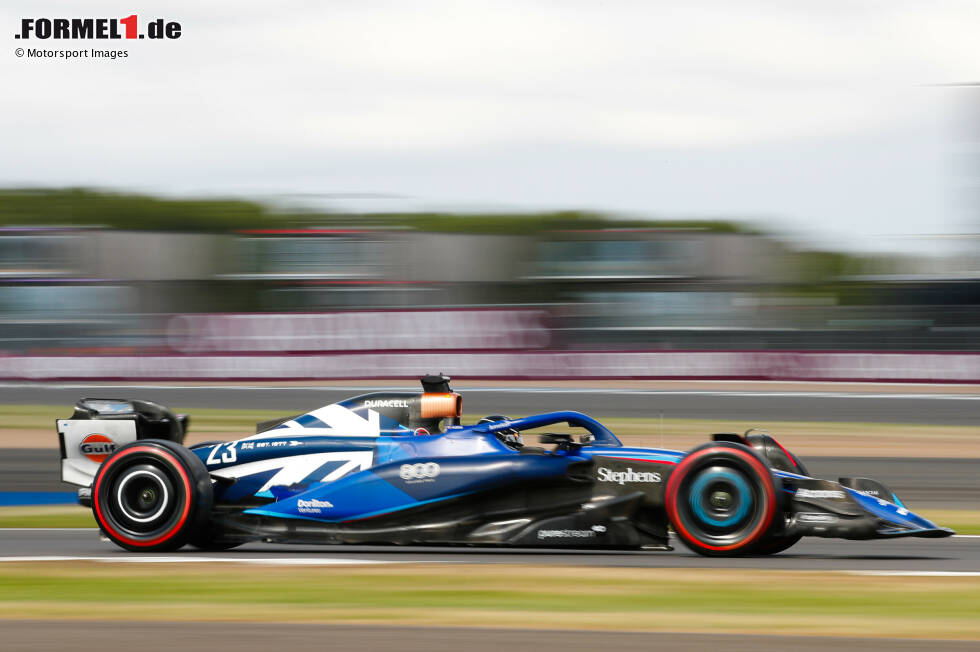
(567, 515)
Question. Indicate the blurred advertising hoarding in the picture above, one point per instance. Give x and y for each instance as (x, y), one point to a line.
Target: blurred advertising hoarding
(381, 330)
(536, 364)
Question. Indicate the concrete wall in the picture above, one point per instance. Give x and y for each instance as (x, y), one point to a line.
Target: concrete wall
(146, 256)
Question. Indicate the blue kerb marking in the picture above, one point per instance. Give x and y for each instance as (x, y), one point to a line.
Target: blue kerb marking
(743, 504)
(23, 498)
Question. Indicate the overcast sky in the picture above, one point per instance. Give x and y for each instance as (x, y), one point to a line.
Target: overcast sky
(819, 118)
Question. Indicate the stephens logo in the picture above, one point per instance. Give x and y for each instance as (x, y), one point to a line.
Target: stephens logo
(97, 447)
(629, 475)
(96, 28)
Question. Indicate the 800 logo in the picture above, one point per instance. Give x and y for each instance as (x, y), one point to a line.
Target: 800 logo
(420, 471)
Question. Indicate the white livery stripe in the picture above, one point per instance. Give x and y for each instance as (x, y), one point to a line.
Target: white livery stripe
(340, 418)
(340, 422)
(296, 467)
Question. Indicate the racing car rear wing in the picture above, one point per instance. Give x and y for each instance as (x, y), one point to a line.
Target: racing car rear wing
(99, 426)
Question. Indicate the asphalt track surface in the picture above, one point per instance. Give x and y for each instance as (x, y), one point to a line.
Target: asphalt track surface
(89, 636)
(95, 636)
(755, 405)
(960, 554)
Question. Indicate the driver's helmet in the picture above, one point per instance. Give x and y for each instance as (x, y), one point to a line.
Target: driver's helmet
(509, 436)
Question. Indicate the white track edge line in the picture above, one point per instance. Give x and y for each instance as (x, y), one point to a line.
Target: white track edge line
(911, 573)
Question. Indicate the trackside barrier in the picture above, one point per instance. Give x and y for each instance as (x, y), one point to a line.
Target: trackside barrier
(382, 330)
(733, 365)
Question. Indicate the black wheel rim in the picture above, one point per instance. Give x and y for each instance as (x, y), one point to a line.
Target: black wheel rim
(141, 497)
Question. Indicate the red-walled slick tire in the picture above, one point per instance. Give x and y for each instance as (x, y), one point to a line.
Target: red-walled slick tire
(151, 495)
(721, 500)
(776, 545)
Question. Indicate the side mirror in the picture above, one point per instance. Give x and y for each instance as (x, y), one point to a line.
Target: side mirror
(562, 442)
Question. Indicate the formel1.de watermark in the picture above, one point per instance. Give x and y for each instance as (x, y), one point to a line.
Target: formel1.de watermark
(91, 29)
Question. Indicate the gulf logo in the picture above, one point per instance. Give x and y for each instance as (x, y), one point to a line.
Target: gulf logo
(97, 447)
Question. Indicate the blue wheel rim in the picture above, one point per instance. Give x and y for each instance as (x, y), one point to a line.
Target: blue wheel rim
(743, 497)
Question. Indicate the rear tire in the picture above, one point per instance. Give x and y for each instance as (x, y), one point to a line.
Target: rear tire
(721, 500)
(208, 539)
(151, 495)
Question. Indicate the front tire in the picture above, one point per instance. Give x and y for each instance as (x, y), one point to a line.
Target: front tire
(721, 500)
(151, 495)
(776, 545)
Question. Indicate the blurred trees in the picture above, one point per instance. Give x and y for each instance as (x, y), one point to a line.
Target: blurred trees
(83, 207)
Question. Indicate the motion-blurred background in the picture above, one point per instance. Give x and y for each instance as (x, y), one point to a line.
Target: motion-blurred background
(493, 190)
(96, 284)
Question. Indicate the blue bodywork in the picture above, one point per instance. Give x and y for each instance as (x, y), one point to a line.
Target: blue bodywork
(470, 458)
(301, 473)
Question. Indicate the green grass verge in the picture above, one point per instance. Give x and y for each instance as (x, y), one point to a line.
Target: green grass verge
(964, 521)
(770, 602)
(47, 516)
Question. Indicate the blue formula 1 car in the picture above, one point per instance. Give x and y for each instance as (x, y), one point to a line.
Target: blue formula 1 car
(399, 468)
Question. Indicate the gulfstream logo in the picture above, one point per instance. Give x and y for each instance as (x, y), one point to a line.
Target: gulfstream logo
(96, 28)
(629, 475)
